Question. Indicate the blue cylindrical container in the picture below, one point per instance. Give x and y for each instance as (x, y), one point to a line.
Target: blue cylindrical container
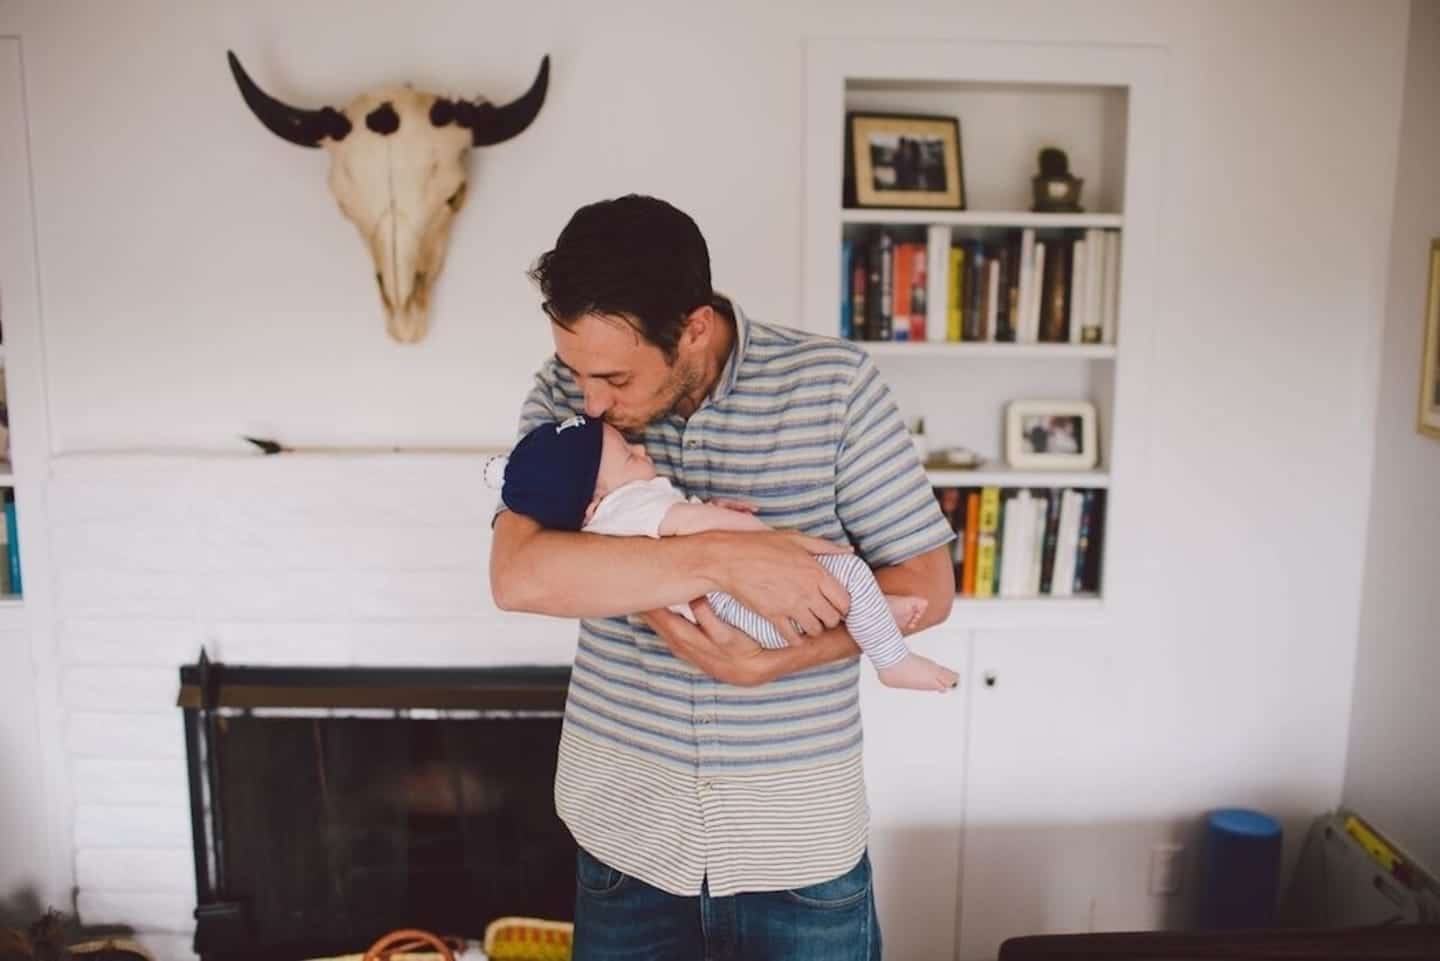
(1241, 870)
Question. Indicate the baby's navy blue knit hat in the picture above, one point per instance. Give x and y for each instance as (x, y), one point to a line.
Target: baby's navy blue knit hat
(551, 473)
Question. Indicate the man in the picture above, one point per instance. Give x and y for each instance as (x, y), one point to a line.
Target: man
(715, 788)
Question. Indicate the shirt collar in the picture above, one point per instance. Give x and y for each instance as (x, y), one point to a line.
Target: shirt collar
(726, 383)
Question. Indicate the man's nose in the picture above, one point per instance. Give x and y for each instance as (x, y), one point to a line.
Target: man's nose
(597, 401)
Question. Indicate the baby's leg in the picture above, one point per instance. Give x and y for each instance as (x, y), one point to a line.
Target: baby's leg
(873, 625)
(735, 614)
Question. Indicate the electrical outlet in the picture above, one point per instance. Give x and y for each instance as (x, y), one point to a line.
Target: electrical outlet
(1167, 862)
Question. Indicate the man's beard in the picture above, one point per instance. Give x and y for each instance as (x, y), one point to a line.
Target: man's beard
(677, 392)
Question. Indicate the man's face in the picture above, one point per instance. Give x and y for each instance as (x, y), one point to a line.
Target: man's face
(626, 379)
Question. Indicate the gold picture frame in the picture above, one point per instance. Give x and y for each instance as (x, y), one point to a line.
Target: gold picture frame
(904, 161)
(1428, 421)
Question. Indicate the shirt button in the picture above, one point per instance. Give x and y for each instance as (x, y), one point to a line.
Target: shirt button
(692, 444)
(706, 786)
(706, 718)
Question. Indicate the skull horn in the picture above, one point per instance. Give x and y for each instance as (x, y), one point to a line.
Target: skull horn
(304, 127)
(490, 124)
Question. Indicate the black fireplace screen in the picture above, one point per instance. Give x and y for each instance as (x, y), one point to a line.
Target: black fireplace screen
(327, 813)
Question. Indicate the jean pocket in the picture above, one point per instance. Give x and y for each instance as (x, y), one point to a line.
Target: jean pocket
(594, 876)
(847, 890)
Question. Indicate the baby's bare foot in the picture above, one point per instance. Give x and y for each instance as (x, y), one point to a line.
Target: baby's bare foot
(906, 609)
(918, 673)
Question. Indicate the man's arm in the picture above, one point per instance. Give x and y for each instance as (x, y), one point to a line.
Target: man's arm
(697, 518)
(568, 574)
(930, 575)
(727, 654)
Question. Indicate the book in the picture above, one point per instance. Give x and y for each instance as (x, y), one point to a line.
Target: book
(1054, 307)
(1062, 581)
(1079, 295)
(1035, 542)
(900, 291)
(878, 297)
(1047, 547)
(1024, 294)
(993, 295)
(972, 540)
(954, 315)
(1037, 289)
(1008, 316)
(847, 304)
(1110, 286)
(859, 280)
(975, 292)
(987, 543)
(919, 274)
(1082, 546)
(938, 281)
(1018, 519)
(1090, 332)
(1087, 577)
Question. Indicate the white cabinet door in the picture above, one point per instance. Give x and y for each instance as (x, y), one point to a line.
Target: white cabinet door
(914, 771)
(1030, 855)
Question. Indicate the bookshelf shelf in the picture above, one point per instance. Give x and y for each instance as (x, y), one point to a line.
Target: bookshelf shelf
(983, 218)
(1004, 477)
(1000, 351)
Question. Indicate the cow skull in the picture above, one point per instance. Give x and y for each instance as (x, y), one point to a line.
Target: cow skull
(397, 167)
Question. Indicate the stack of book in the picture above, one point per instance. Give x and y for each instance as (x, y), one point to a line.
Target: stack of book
(900, 284)
(1025, 542)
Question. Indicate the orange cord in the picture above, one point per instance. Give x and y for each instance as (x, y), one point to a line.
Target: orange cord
(407, 940)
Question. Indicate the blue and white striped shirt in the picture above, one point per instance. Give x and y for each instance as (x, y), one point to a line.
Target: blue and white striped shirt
(670, 776)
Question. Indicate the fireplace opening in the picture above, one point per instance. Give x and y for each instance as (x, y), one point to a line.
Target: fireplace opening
(330, 806)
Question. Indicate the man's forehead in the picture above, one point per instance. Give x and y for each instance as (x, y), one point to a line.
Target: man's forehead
(600, 344)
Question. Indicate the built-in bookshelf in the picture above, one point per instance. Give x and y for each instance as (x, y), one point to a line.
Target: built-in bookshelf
(1013, 329)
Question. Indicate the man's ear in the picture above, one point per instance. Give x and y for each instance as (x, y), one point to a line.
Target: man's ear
(699, 325)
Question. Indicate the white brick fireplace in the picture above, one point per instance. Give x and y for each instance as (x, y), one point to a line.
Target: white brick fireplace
(292, 559)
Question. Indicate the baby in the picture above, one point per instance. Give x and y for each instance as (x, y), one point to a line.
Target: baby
(583, 475)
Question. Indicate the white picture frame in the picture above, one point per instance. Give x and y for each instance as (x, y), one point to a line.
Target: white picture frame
(1051, 435)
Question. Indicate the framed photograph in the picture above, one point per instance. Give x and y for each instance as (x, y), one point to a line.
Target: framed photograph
(1429, 421)
(904, 160)
(1051, 435)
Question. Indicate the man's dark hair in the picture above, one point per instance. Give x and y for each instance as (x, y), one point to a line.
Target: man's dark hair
(636, 257)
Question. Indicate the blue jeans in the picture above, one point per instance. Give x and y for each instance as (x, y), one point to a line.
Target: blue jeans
(620, 918)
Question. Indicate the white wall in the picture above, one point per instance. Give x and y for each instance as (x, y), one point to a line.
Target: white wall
(199, 284)
(1393, 772)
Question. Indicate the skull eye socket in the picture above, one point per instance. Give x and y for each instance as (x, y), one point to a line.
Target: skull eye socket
(457, 199)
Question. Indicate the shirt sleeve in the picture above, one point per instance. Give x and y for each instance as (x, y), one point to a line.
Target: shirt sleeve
(882, 496)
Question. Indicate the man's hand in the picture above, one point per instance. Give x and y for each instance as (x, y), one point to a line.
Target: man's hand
(775, 574)
(724, 652)
(732, 656)
(730, 505)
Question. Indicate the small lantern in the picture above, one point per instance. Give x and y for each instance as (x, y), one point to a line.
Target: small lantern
(1056, 191)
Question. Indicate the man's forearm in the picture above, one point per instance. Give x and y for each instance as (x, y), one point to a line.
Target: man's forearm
(928, 575)
(566, 574)
(835, 644)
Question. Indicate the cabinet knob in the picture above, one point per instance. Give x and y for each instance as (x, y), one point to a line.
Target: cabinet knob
(991, 678)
